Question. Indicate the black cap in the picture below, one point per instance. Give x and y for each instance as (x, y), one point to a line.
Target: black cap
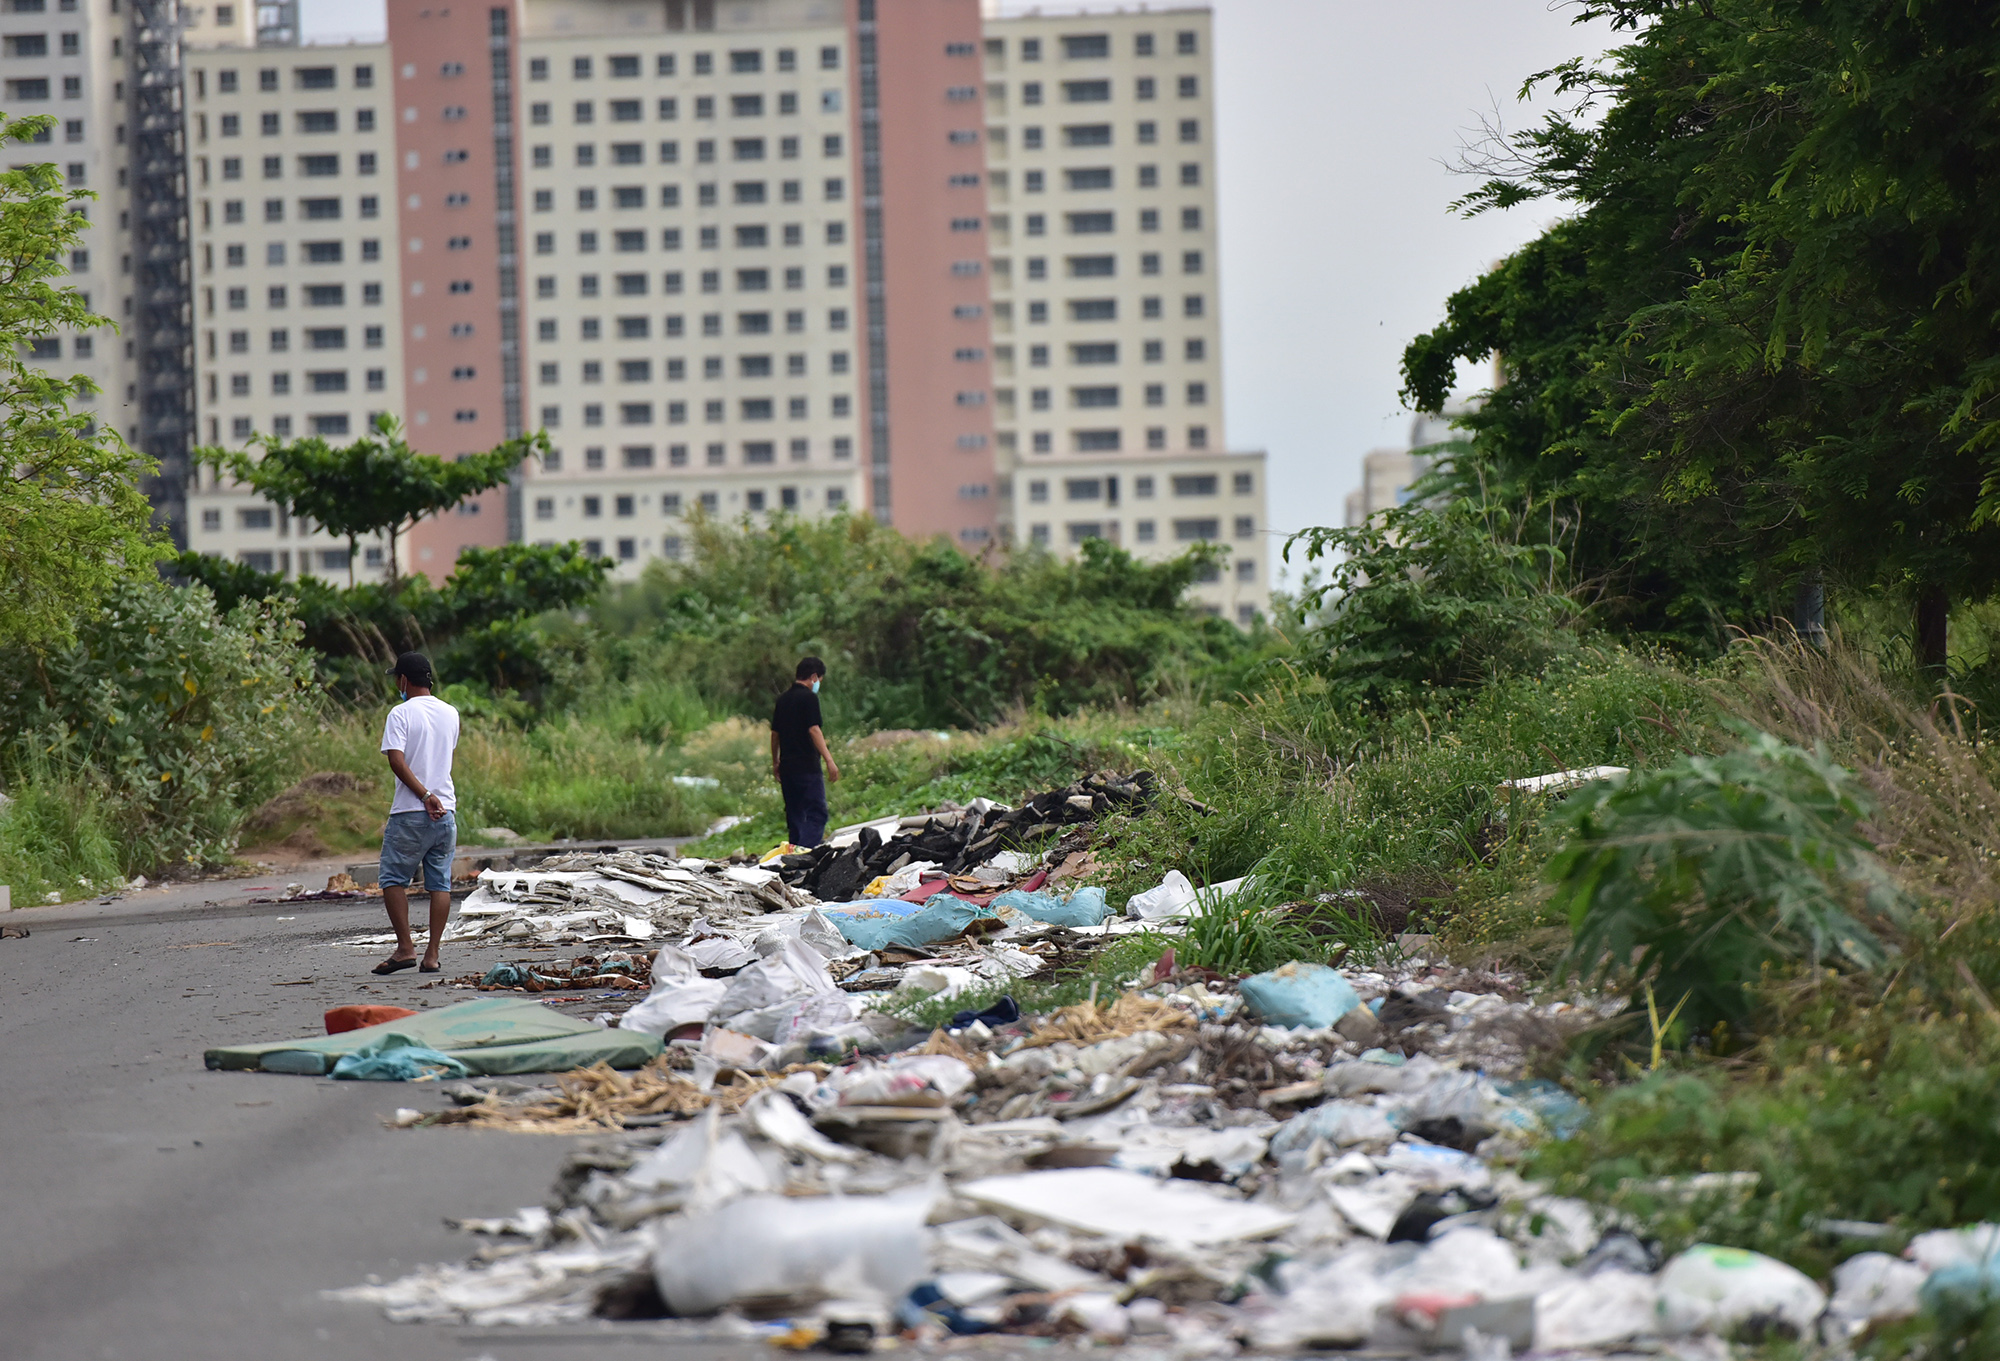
(413, 666)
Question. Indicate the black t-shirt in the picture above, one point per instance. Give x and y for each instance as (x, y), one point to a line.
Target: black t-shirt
(796, 715)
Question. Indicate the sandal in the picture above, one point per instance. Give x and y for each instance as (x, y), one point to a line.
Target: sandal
(430, 968)
(394, 966)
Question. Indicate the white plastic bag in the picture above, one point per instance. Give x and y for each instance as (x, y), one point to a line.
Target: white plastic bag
(1871, 1287)
(1172, 896)
(913, 1080)
(778, 1248)
(680, 995)
(701, 1167)
(1718, 1290)
(1602, 1310)
(794, 970)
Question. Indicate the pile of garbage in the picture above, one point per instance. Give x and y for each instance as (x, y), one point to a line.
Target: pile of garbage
(1188, 1165)
(954, 840)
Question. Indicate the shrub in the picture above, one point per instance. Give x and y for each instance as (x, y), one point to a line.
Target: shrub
(1694, 878)
(1423, 597)
(179, 716)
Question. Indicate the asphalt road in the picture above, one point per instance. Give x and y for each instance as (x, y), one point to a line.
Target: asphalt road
(151, 1209)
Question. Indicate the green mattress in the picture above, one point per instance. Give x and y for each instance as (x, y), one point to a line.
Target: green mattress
(490, 1035)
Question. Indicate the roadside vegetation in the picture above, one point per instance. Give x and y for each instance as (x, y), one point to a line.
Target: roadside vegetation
(1710, 529)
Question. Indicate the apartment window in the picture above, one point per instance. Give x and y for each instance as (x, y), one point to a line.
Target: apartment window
(1145, 88)
(1156, 395)
(1031, 92)
(625, 111)
(1093, 177)
(271, 124)
(538, 114)
(1190, 87)
(1086, 91)
(586, 286)
(1093, 309)
(1089, 224)
(1197, 531)
(1197, 394)
(274, 296)
(1192, 305)
(239, 298)
(1190, 175)
(1190, 219)
(1086, 46)
(545, 508)
(583, 111)
(635, 370)
(274, 167)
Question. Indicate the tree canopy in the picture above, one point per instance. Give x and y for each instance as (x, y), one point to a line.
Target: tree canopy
(1767, 344)
(73, 521)
(376, 485)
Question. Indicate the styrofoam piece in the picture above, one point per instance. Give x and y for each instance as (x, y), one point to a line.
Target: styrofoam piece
(1561, 781)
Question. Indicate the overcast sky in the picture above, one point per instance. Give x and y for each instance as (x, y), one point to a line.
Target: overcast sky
(1340, 120)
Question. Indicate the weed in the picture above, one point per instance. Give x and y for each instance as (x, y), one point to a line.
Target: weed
(1695, 878)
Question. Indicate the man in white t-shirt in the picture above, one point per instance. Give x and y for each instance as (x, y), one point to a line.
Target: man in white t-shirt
(418, 739)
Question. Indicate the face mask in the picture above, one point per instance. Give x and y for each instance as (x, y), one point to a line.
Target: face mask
(815, 687)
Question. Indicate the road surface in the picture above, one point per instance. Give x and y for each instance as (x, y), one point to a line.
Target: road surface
(153, 1210)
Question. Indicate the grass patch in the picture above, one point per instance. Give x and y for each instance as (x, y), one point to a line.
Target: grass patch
(60, 837)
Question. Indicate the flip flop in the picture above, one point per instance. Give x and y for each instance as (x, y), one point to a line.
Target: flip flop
(394, 966)
(430, 968)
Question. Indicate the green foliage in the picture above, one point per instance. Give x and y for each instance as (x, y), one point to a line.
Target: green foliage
(1316, 794)
(179, 716)
(376, 485)
(476, 624)
(1432, 597)
(73, 520)
(57, 838)
(1255, 930)
(1768, 338)
(1695, 878)
(916, 633)
(1857, 1105)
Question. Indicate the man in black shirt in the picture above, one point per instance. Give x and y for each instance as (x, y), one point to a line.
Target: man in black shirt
(797, 748)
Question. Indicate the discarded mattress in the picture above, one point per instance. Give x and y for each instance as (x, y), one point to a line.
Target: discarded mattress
(490, 1035)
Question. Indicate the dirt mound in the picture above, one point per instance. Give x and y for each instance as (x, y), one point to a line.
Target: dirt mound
(302, 800)
(306, 844)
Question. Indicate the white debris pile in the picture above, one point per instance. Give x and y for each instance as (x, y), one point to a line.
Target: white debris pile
(616, 896)
(1178, 1168)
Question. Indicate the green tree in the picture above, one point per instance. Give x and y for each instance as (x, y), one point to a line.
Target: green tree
(1768, 342)
(73, 521)
(376, 485)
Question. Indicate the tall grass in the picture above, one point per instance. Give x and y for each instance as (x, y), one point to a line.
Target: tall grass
(57, 837)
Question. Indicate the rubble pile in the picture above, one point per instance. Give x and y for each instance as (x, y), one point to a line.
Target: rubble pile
(957, 840)
(1310, 1157)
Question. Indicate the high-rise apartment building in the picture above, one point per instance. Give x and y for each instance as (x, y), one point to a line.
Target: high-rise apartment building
(765, 256)
(1106, 315)
(297, 309)
(66, 59)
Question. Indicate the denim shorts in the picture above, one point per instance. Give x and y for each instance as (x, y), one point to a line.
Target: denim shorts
(411, 840)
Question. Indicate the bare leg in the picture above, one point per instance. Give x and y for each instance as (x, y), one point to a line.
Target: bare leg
(440, 915)
(397, 900)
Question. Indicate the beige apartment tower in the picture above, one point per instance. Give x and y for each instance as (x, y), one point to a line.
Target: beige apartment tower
(798, 256)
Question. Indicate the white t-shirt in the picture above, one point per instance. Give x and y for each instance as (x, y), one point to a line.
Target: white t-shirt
(425, 729)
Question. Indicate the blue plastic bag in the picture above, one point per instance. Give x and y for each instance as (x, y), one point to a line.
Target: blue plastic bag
(1299, 994)
(942, 918)
(399, 1065)
(1085, 907)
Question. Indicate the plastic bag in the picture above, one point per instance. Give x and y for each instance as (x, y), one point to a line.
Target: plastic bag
(1170, 897)
(1085, 907)
(700, 1167)
(941, 918)
(781, 1248)
(796, 969)
(1340, 1123)
(1719, 1290)
(1597, 1311)
(407, 1064)
(1299, 994)
(1871, 1287)
(913, 1080)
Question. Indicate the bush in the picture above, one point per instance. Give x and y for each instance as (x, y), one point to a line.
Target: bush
(1696, 878)
(916, 633)
(1422, 598)
(179, 717)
